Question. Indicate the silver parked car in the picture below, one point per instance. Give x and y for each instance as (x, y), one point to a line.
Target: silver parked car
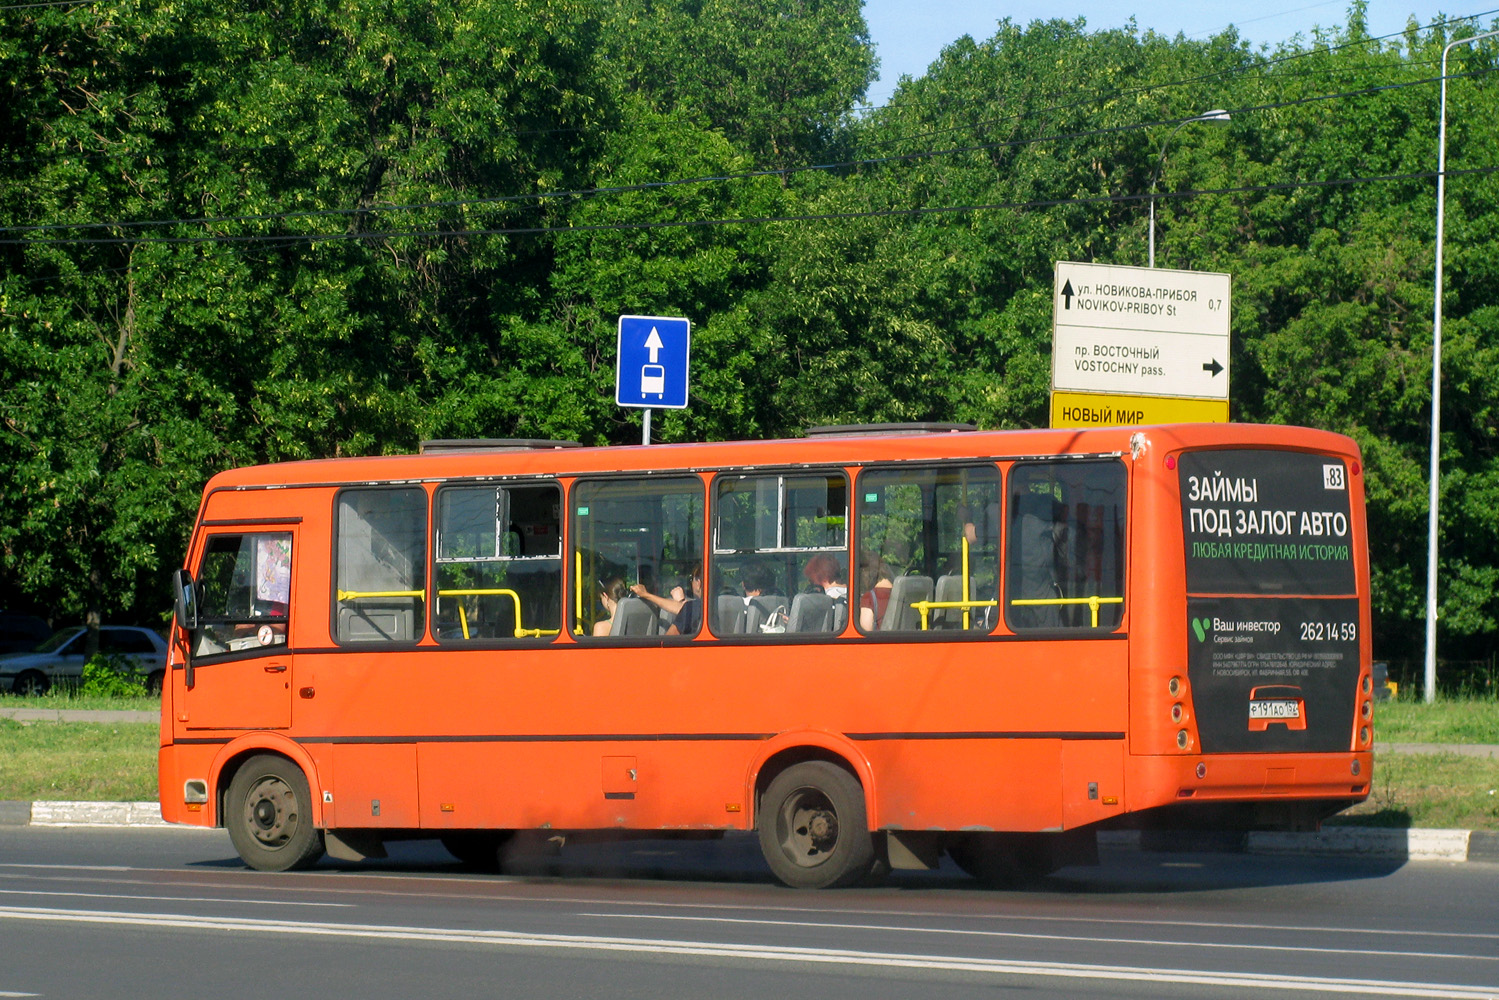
(60, 659)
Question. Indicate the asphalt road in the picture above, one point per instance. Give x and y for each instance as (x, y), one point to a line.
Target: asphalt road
(172, 913)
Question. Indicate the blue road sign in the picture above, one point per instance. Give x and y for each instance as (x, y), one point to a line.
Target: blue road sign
(653, 354)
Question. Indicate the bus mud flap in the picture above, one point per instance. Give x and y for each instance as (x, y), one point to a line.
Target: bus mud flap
(353, 845)
(918, 849)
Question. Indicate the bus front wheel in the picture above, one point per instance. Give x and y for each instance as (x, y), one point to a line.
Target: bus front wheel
(269, 815)
(813, 828)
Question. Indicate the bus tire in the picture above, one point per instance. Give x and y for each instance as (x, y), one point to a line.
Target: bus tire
(269, 815)
(813, 827)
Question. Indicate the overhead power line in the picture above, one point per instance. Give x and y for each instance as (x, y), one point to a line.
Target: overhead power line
(293, 238)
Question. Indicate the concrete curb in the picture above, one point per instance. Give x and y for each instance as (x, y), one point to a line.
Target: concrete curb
(137, 814)
(1332, 841)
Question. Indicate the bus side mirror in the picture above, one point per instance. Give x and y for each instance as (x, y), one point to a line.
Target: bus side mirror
(185, 597)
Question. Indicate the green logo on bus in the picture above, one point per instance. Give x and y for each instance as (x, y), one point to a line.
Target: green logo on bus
(1201, 627)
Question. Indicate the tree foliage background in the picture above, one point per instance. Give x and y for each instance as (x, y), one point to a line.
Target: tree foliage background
(302, 228)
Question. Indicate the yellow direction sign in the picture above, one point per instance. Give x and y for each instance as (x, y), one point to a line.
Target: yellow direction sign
(1084, 409)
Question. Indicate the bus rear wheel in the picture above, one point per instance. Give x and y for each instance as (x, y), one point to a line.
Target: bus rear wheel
(269, 815)
(813, 827)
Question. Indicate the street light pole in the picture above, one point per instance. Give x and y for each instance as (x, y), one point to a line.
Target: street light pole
(1216, 116)
(1436, 384)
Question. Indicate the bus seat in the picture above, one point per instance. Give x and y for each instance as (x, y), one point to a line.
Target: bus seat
(759, 610)
(811, 613)
(899, 615)
(371, 621)
(950, 588)
(634, 617)
(730, 620)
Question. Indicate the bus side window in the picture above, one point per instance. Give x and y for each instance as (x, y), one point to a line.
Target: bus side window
(780, 554)
(380, 565)
(1065, 565)
(636, 533)
(928, 549)
(498, 563)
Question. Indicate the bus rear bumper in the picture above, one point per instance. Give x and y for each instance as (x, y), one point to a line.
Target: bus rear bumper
(1164, 780)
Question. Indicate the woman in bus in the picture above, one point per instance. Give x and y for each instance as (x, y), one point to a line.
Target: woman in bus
(874, 587)
(826, 575)
(611, 592)
(688, 610)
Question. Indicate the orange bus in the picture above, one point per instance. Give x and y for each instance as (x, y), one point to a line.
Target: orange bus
(871, 646)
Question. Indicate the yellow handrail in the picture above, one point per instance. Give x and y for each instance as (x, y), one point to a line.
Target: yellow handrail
(966, 594)
(1091, 602)
(520, 633)
(925, 606)
(578, 592)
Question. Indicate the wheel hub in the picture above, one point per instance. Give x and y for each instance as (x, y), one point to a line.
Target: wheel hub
(271, 811)
(810, 830)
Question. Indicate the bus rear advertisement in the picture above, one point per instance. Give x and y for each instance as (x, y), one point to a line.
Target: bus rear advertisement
(871, 646)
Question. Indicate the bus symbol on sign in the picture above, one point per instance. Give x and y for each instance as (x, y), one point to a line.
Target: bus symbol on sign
(653, 381)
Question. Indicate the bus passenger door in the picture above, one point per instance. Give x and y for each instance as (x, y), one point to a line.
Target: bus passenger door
(241, 672)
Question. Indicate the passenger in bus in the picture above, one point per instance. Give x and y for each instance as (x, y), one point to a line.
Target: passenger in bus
(825, 574)
(1037, 551)
(688, 610)
(875, 584)
(755, 580)
(611, 592)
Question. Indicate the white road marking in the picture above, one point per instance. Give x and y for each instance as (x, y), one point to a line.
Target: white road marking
(173, 899)
(69, 868)
(997, 967)
(336, 882)
(959, 932)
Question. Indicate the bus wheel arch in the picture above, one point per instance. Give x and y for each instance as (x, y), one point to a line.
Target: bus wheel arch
(238, 751)
(267, 806)
(812, 817)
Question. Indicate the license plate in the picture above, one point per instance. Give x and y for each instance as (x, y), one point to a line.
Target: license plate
(1275, 709)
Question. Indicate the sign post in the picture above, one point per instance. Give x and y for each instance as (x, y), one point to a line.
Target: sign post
(1138, 345)
(653, 357)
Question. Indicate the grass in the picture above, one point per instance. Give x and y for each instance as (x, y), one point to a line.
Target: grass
(1440, 790)
(1445, 721)
(77, 761)
(71, 698)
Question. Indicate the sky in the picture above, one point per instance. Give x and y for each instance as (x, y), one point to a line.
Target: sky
(909, 35)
